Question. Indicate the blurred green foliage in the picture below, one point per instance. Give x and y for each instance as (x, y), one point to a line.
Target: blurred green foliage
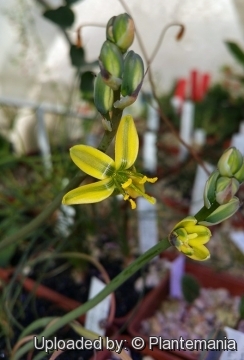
(219, 114)
(190, 288)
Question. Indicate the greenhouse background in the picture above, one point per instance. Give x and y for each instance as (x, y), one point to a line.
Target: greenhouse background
(121, 179)
(33, 46)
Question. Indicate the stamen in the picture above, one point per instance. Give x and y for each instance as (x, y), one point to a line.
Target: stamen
(143, 180)
(120, 188)
(152, 180)
(127, 184)
(133, 204)
(151, 199)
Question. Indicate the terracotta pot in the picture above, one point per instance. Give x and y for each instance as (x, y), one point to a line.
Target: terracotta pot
(61, 301)
(206, 277)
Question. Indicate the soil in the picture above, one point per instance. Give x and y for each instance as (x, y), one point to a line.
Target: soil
(29, 308)
(66, 284)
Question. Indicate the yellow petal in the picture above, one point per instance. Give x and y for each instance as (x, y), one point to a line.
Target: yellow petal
(201, 253)
(90, 193)
(126, 143)
(188, 221)
(200, 239)
(187, 250)
(199, 229)
(92, 161)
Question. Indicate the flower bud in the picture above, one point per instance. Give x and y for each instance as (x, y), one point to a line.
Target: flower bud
(103, 96)
(133, 74)
(209, 190)
(230, 162)
(222, 213)
(132, 80)
(109, 29)
(123, 30)
(189, 238)
(226, 188)
(239, 175)
(111, 65)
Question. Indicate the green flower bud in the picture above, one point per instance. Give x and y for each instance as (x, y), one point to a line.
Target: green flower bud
(222, 213)
(226, 188)
(133, 74)
(132, 80)
(239, 175)
(230, 162)
(109, 29)
(103, 96)
(209, 190)
(123, 31)
(111, 65)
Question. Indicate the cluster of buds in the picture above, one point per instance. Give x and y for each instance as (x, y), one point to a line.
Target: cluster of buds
(223, 185)
(120, 71)
(191, 234)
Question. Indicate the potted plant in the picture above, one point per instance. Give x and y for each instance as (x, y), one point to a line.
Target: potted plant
(208, 279)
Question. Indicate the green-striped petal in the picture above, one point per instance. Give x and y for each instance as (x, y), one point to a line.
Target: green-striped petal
(210, 188)
(181, 235)
(187, 221)
(222, 213)
(198, 234)
(201, 253)
(92, 161)
(186, 249)
(90, 193)
(200, 239)
(126, 143)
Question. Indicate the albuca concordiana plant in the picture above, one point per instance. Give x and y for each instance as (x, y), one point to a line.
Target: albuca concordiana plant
(119, 174)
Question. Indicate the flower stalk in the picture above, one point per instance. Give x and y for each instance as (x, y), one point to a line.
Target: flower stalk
(112, 286)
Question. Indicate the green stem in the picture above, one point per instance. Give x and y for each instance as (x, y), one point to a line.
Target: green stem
(203, 213)
(109, 135)
(112, 286)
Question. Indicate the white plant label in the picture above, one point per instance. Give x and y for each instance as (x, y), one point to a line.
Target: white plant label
(201, 178)
(237, 238)
(177, 270)
(97, 315)
(153, 118)
(238, 337)
(147, 224)
(186, 127)
(237, 141)
(149, 153)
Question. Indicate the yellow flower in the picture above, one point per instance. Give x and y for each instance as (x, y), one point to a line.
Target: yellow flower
(118, 174)
(189, 238)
